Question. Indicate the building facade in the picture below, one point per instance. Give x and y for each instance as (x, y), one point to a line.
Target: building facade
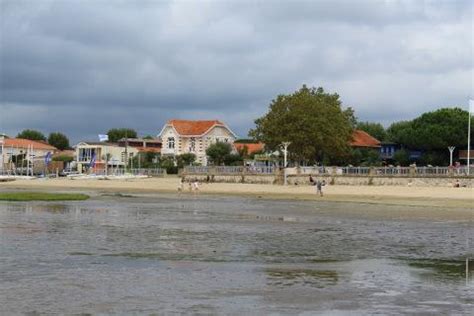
(117, 155)
(184, 136)
(15, 151)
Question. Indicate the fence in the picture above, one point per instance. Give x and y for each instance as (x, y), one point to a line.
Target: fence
(337, 171)
(155, 172)
(229, 170)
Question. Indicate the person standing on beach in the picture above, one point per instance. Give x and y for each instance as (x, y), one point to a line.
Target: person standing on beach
(319, 188)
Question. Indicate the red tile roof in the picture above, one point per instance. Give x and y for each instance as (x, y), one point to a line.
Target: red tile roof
(24, 143)
(363, 139)
(251, 147)
(193, 128)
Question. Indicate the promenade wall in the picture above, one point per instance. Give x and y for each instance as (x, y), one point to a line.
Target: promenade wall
(277, 179)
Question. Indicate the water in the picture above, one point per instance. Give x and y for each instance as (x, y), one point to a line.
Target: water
(205, 255)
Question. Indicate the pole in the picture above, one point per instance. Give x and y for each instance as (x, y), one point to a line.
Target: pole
(471, 104)
(285, 154)
(451, 150)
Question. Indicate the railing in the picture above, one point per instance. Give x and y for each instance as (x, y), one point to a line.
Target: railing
(155, 172)
(229, 170)
(338, 171)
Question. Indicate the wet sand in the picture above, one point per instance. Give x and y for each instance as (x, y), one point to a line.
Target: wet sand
(398, 195)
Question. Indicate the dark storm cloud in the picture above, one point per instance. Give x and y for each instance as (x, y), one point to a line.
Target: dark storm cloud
(83, 67)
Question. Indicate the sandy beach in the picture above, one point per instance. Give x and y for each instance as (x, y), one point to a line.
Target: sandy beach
(434, 196)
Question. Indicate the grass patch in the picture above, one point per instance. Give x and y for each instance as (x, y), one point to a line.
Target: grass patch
(41, 196)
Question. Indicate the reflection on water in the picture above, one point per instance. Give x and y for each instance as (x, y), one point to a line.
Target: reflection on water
(204, 255)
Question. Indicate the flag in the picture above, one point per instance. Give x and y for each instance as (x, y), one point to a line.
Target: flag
(103, 138)
(47, 158)
(471, 106)
(92, 163)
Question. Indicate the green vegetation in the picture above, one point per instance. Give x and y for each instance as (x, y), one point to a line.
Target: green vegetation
(31, 135)
(312, 120)
(63, 158)
(58, 140)
(374, 129)
(115, 134)
(41, 196)
(221, 154)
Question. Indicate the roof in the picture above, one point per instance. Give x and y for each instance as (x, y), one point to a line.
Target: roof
(148, 149)
(67, 152)
(146, 140)
(96, 143)
(25, 143)
(463, 154)
(363, 139)
(193, 128)
(251, 147)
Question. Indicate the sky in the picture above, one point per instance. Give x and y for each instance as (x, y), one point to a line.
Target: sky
(83, 67)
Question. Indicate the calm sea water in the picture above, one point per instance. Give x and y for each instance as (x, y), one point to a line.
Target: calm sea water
(205, 255)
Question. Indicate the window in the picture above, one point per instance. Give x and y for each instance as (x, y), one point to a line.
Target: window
(171, 142)
(192, 144)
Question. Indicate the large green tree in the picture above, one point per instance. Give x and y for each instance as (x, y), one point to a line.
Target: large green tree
(312, 120)
(218, 152)
(432, 131)
(58, 140)
(374, 129)
(185, 159)
(31, 134)
(115, 134)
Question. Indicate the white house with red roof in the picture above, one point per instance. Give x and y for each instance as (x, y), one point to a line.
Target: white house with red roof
(185, 136)
(12, 148)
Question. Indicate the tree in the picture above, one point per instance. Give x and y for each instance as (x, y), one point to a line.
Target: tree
(58, 140)
(401, 132)
(312, 120)
(402, 157)
(31, 135)
(185, 159)
(63, 158)
(115, 134)
(433, 130)
(218, 152)
(374, 129)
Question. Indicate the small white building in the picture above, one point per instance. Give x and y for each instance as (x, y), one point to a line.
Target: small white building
(184, 136)
(117, 155)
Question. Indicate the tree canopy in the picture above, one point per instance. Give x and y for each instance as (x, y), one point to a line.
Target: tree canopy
(312, 120)
(31, 135)
(374, 129)
(115, 134)
(58, 140)
(432, 130)
(185, 159)
(218, 152)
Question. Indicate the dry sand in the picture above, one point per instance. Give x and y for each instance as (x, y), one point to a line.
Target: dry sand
(430, 196)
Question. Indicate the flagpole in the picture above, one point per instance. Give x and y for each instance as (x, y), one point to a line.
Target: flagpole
(469, 138)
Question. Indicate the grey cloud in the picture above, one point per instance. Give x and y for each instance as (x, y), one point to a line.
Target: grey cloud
(111, 63)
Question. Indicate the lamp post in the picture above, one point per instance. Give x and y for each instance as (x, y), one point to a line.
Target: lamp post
(451, 150)
(285, 156)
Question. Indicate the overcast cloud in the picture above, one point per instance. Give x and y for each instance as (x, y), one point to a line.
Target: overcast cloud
(82, 67)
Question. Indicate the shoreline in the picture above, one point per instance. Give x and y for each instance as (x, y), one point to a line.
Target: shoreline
(392, 195)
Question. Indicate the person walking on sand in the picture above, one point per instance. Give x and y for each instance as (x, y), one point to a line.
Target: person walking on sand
(196, 186)
(181, 185)
(319, 187)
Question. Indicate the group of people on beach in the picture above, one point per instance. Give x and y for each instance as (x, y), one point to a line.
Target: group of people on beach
(318, 184)
(193, 185)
